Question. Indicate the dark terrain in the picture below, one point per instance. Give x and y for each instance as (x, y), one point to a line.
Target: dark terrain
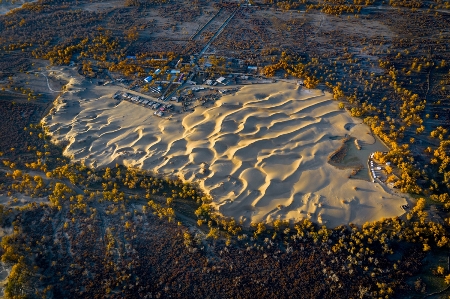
(124, 233)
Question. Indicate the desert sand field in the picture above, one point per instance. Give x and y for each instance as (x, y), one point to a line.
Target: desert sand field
(261, 153)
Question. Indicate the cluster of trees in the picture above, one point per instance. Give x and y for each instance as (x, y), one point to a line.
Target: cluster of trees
(336, 10)
(385, 233)
(358, 252)
(442, 160)
(144, 3)
(333, 7)
(337, 7)
(113, 184)
(410, 111)
(292, 66)
(287, 5)
(101, 47)
(16, 116)
(28, 185)
(13, 46)
(413, 104)
(404, 3)
(395, 104)
(114, 191)
(395, 114)
(62, 36)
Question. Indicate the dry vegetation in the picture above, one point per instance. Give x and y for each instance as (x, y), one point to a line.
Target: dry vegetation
(142, 256)
(112, 232)
(339, 154)
(119, 232)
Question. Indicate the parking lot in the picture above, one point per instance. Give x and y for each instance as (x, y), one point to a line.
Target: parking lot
(160, 108)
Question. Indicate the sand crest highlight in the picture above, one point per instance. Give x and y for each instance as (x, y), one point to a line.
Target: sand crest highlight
(261, 153)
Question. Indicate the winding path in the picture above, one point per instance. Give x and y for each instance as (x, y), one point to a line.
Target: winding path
(48, 83)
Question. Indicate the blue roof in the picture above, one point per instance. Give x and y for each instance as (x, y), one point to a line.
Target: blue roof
(148, 79)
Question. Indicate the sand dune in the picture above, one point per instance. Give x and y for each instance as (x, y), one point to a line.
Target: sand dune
(266, 148)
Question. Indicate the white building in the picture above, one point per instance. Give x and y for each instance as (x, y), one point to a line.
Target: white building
(221, 80)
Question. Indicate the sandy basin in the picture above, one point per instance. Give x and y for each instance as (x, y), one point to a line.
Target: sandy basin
(266, 148)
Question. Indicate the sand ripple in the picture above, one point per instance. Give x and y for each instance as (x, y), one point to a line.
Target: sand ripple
(265, 148)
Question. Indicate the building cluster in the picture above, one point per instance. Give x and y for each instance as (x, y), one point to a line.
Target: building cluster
(159, 108)
(155, 89)
(221, 80)
(375, 170)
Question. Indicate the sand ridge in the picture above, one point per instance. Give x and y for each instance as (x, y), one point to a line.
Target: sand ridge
(260, 153)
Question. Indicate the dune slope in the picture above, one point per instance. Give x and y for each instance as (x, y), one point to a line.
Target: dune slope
(261, 153)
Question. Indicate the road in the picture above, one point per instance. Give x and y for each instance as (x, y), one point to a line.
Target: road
(208, 44)
(48, 83)
(218, 32)
(204, 26)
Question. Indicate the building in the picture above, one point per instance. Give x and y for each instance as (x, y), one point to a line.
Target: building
(221, 80)
(148, 79)
(252, 68)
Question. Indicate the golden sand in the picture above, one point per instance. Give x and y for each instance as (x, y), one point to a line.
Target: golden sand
(261, 153)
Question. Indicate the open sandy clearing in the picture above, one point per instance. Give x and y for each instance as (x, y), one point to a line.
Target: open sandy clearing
(261, 153)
